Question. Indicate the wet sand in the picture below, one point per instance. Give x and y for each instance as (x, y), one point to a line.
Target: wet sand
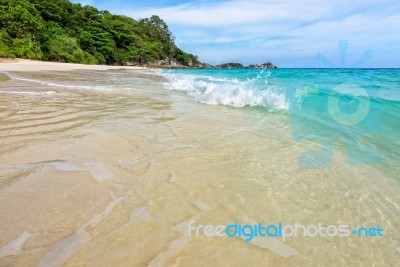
(106, 168)
(3, 77)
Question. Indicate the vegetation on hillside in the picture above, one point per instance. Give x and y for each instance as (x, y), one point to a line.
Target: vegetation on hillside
(267, 65)
(59, 30)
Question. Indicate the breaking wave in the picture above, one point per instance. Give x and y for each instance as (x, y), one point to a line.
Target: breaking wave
(230, 91)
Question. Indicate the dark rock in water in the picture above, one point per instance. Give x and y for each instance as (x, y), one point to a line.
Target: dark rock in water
(204, 66)
(267, 65)
(171, 64)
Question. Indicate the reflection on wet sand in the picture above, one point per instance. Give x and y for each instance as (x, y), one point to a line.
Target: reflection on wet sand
(107, 169)
(3, 77)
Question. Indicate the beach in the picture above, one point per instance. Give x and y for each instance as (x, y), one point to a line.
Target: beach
(20, 64)
(102, 166)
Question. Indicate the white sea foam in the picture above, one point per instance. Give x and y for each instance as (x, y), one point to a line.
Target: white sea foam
(69, 86)
(172, 177)
(26, 92)
(241, 198)
(174, 247)
(272, 244)
(15, 246)
(226, 91)
(201, 205)
(64, 249)
(139, 215)
(128, 164)
(99, 172)
(101, 216)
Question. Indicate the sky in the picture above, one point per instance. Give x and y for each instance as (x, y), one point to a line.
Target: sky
(289, 33)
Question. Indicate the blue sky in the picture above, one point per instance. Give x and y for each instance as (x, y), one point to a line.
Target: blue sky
(290, 33)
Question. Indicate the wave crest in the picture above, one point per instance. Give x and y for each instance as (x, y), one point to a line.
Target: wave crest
(227, 91)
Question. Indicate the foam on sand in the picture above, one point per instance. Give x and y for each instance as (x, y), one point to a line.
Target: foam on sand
(99, 172)
(174, 247)
(201, 205)
(272, 244)
(15, 246)
(139, 215)
(64, 249)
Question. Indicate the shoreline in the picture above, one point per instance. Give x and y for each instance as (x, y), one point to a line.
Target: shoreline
(21, 64)
(28, 65)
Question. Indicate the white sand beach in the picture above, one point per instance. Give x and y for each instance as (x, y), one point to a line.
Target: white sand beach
(36, 65)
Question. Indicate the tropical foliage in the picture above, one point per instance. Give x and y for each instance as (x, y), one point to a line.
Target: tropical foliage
(59, 30)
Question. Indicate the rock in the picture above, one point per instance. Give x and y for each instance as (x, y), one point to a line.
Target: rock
(267, 65)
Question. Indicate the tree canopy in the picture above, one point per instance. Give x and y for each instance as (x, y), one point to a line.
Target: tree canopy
(230, 65)
(59, 30)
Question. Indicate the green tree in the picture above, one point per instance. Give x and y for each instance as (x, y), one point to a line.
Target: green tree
(26, 48)
(66, 49)
(64, 31)
(20, 18)
(6, 45)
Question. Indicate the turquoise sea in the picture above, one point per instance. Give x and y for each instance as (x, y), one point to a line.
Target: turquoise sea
(313, 99)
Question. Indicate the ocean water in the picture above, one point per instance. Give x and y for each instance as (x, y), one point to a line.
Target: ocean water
(109, 168)
(369, 98)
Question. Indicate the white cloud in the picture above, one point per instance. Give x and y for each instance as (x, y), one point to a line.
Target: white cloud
(231, 13)
(235, 12)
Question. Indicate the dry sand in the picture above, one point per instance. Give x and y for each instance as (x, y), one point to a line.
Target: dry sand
(35, 65)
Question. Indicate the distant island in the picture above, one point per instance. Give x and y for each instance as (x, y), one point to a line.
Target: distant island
(229, 66)
(267, 65)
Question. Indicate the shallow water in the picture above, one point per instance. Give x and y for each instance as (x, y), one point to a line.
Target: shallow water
(108, 168)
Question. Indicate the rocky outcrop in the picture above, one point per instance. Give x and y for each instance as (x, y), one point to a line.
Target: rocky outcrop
(170, 64)
(204, 66)
(267, 65)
